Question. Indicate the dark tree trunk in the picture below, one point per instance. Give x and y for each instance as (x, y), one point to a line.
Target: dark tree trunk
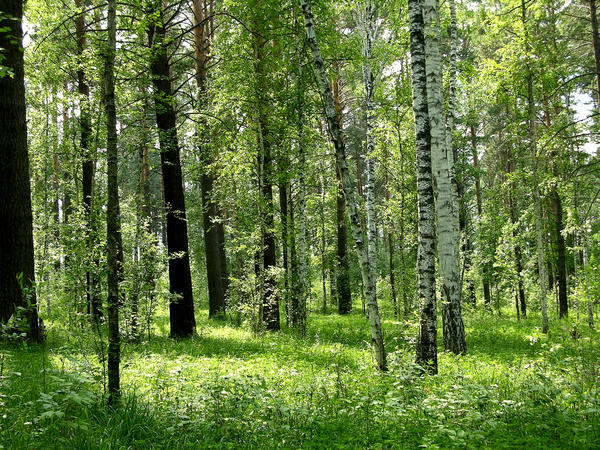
(88, 168)
(16, 238)
(560, 256)
(181, 307)
(113, 219)
(212, 244)
(344, 295)
(213, 228)
(270, 300)
(265, 143)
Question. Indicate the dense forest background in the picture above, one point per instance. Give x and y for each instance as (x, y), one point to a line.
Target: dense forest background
(299, 223)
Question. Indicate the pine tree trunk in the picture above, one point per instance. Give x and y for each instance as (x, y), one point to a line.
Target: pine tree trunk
(88, 167)
(426, 355)
(596, 44)
(17, 279)
(560, 255)
(210, 216)
(270, 305)
(113, 219)
(181, 306)
(349, 190)
(343, 291)
(445, 192)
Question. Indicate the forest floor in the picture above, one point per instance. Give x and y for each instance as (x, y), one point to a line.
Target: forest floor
(227, 388)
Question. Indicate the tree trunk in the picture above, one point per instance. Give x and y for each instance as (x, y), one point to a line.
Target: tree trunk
(88, 167)
(516, 246)
(596, 44)
(560, 257)
(113, 219)
(536, 188)
(17, 278)
(344, 294)
(270, 305)
(181, 306)
(303, 277)
(445, 192)
(210, 217)
(487, 298)
(349, 189)
(368, 80)
(426, 354)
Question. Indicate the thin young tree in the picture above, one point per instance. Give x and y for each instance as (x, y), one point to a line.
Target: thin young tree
(113, 218)
(369, 83)
(335, 133)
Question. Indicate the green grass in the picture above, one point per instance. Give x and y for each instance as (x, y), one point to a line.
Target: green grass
(226, 388)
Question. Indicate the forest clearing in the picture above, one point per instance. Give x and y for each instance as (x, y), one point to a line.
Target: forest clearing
(299, 224)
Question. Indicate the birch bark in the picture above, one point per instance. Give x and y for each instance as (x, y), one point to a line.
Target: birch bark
(444, 189)
(368, 80)
(426, 355)
(349, 189)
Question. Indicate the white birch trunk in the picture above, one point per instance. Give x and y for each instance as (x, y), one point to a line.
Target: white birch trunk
(426, 355)
(368, 80)
(349, 188)
(446, 206)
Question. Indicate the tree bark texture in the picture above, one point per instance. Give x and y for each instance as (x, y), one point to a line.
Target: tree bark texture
(561, 261)
(270, 305)
(211, 221)
(349, 189)
(17, 279)
(426, 354)
(369, 82)
(344, 294)
(446, 204)
(181, 306)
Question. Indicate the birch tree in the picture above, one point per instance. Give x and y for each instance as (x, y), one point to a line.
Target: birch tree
(335, 133)
(369, 82)
(426, 355)
(446, 204)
